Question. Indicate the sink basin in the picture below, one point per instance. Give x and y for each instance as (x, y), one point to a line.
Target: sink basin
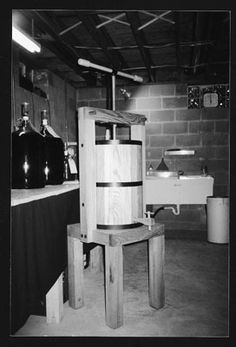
(187, 177)
(163, 174)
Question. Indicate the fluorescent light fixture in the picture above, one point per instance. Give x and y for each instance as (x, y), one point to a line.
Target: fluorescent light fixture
(87, 63)
(25, 41)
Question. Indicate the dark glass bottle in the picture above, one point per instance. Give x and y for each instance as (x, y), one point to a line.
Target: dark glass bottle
(70, 168)
(54, 153)
(27, 154)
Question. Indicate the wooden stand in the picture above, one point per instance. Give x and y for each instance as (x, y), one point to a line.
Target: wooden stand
(113, 241)
(112, 198)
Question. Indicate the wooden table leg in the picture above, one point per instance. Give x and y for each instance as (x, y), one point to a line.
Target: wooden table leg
(54, 302)
(114, 286)
(156, 271)
(96, 259)
(75, 272)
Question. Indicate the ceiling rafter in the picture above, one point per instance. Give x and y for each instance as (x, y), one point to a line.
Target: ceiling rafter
(200, 31)
(140, 40)
(177, 45)
(70, 38)
(214, 29)
(58, 46)
(151, 46)
(103, 39)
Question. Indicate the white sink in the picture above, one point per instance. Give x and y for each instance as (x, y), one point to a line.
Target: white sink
(189, 177)
(181, 190)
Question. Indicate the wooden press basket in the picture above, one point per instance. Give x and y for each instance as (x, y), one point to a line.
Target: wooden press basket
(111, 173)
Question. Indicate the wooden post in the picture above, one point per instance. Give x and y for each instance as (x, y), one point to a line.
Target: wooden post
(54, 302)
(75, 272)
(156, 272)
(87, 176)
(96, 259)
(114, 286)
(138, 133)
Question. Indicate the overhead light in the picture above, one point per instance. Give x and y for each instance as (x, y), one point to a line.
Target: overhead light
(25, 41)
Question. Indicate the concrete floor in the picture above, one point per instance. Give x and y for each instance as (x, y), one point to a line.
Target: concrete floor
(196, 287)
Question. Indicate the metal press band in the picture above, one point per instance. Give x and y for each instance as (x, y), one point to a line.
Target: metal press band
(119, 184)
(118, 226)
(118, 142)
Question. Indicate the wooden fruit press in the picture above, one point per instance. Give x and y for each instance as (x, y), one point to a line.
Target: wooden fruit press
(112, 208)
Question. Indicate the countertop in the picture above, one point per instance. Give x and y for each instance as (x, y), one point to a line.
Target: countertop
(22, 196)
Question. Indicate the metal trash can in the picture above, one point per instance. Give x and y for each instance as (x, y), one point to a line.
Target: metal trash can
(218, 219)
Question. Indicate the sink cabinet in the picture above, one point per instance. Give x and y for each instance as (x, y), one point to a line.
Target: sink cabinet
(185, 190)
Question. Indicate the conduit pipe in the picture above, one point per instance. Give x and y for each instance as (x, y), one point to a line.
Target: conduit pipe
(87, 63)
(175, 210)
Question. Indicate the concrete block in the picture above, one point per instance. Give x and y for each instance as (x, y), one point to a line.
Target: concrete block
(148, 104)
(136, 91)
(222, 126)
(162, 89)
(221, 177)
(126, 105)
(194, 127)
(221, 190)
(98, 103)
(174, 102)
(215, 139)
(218, 165)
(91, 93)
(214, 113)
(188, 165)
(153, 128)
(161, 141)
(175, 128)
(188, 140)
(221, 152)
(205, 152)
(206, 126)
(162, 115)
(181, 89)
(188, 114)
(153, 153)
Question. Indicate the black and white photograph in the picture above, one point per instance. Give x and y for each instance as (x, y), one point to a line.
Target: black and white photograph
(120, 172)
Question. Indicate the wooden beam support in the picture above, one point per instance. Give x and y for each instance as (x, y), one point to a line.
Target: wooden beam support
(103, 39)
(140, 40)
(61, 49)
(177, 44)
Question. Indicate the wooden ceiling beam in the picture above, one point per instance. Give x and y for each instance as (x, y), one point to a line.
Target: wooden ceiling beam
(62, 50)
(103, 39)
(214, 24)
(140, 40)
(70, 38)
(177, 45)
(199, 33)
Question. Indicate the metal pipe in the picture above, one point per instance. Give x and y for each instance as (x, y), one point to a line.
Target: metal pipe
(87, 63)
(113, 88)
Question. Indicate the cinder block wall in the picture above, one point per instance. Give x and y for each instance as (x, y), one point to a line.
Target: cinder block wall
(170, 124)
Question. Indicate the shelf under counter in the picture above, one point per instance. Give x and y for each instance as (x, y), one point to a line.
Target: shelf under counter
(39, 219)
